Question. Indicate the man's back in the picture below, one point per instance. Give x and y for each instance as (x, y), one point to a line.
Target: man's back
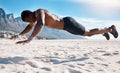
(51, 20)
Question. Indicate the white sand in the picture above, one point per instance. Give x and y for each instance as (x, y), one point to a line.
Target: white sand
(60, 56)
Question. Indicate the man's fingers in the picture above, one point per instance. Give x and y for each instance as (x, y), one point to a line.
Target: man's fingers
(20, 42)
(14, 37)
(23, 42)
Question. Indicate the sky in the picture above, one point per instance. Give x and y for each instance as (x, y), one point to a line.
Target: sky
(90, 13)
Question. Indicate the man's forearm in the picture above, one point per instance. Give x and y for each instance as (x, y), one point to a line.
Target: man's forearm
(26, 30)
(39, 25)
(35, 31)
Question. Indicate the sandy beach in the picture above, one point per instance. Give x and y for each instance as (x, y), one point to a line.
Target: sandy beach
(60, 56)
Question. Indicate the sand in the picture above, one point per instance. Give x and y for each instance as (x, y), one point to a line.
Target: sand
(60, 56)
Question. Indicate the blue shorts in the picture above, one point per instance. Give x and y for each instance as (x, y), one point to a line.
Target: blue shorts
(72, 26)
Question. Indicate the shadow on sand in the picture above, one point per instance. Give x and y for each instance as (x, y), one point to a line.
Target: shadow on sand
(57, 60)
(11, 60)
(69, 60)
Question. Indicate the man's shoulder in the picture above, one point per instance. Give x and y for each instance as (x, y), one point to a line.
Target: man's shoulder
(45, 10)
(39, 11)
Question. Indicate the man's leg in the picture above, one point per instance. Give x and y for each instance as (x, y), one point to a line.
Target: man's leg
(72, 26)
(96, 31)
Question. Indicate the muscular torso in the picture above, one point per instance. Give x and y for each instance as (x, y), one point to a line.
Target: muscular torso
(52, 20)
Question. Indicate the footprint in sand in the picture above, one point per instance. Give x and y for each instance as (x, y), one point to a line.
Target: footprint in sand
(97, 58)
(74, 71)
(90, 63)
(118, 62)
(101, 51)
(32, 64)
(107, 54)
(111, 54)
(88, 70)
(81, 64)
(46, 69)
(71, 66)
(101, 70)
(2, 67)
(115, 53)
(20, 72)
(106, 65)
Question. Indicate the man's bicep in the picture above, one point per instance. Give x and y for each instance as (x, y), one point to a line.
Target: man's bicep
(41, 17)
(36, 30)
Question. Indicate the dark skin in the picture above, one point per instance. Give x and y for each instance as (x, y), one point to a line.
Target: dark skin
(45, 18)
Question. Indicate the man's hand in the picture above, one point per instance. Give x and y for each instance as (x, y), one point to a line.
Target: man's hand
(23, 42)
(14, 37)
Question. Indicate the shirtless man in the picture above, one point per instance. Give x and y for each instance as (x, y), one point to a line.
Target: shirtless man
(42, 17)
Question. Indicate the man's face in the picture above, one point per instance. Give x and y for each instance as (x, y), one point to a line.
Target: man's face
(30, 19)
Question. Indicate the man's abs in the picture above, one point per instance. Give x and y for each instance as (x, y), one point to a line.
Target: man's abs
(53, 21)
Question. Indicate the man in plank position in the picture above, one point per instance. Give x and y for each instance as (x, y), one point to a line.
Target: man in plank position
(42, 17)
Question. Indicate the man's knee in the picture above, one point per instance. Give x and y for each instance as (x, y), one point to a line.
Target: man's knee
(87, 33)
(96, 29)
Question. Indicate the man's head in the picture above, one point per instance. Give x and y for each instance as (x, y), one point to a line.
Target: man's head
(28, 16)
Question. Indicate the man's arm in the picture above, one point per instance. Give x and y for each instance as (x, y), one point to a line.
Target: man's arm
(27, 29)
(38, 26)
